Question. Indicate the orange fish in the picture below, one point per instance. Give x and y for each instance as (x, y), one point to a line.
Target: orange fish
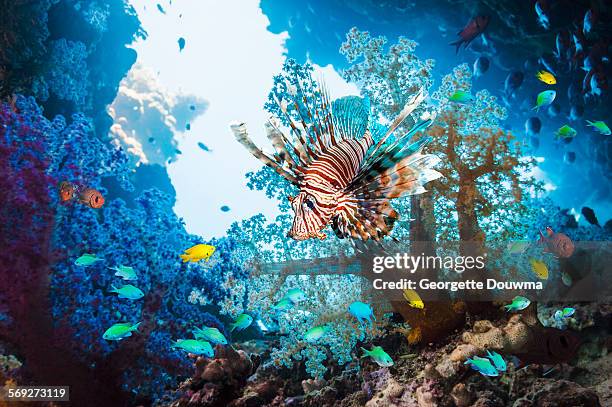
(92, 198)
(558, 244)
(66, 191)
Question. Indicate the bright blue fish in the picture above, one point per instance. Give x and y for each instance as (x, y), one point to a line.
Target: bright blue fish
(361, 311)
(482, 366)
(498, 361)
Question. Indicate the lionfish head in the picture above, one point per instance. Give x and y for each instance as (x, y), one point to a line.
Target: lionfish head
(310, 217)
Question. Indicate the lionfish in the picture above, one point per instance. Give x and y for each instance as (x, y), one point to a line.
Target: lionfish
(344, 179)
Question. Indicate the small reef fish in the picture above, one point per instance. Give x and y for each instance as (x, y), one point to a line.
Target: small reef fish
(518, 304)
(296, 295)
(568, 312)
(181, 44)
(125, 272)
(285, 304)
(243, 321)
(353, 195)
(498, 361)
(533, 125)
(565, 132)
(361, 311)
(203, 146)
(92, 198)
(589, 215)
(544, 98)
(379, 356)
(461, 96)
(66, 191)
(576, 112)
(197, 253)
(481, 66)
(569, 157)
(225, 208)
(161, 9)
(413, 298)
(482, 366)
(600, 126)
(473, 29)
(541, 8)
(564, 313)
(553, 110)
(562, 43)
(128, 291)
(195, 346)
(88, 196)
(315, 333)
(558, 244)
(518, 247)
(566, 279)
(513, 81)
(120, 331)
(539, 268)
(212, 335)
(87, 260)
(546, 77)
(588, 22)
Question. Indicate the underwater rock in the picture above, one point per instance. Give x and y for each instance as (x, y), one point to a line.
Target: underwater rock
(558, 393)
(511, 338)
(389, 396)
(383, 390)
(218, 381)
(310, 385)
(461, 395)
(425, 398)
(488, 399)
(434, 322)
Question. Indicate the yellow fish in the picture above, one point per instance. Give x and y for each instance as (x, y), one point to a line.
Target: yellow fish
(414, 300)
(546, 77)
(198, 252)
(539, 269)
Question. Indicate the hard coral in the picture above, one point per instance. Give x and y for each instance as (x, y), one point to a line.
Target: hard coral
(218, 381)
(510, 338)
(558, 393)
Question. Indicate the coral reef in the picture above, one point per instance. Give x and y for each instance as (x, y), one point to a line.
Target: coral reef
(62, 64)
(220, 380)
(562, 393)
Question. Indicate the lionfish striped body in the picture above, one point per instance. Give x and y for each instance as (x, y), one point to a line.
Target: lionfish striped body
(345, 180)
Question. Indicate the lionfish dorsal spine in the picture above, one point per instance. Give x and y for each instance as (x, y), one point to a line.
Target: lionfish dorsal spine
(408, 108)
(274, 162)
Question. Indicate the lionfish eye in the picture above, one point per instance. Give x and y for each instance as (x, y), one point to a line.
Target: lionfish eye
(309, 203)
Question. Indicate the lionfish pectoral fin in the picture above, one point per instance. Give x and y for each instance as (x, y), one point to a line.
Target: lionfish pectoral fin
(365, 220)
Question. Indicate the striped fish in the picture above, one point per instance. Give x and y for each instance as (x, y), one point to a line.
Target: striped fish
(345, 179)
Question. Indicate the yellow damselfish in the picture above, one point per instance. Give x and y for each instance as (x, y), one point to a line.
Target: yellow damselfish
(198, 252)
(414, 300)
(546, 77)
(539, 269)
